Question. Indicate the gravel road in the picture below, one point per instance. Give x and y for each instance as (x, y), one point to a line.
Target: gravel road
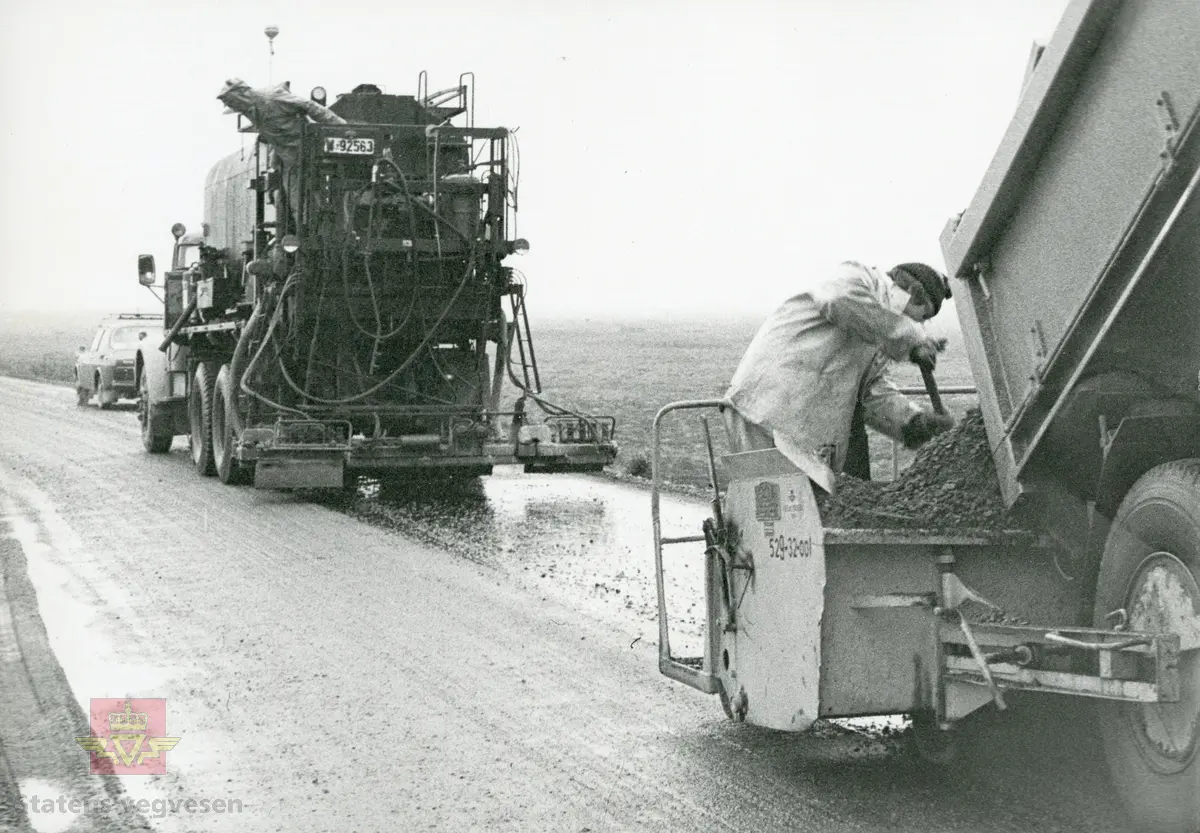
(477, 660)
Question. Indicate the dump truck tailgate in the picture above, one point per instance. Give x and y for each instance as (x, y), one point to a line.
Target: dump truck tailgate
(1080, 249)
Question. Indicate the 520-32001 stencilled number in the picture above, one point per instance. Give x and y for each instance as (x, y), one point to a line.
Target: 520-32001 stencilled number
(788, 546)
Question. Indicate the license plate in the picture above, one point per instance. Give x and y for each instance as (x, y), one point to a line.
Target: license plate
(356, 147)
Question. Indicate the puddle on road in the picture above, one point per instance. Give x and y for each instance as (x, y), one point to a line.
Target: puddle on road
(81, 637)
(585, 540)
(80, 632)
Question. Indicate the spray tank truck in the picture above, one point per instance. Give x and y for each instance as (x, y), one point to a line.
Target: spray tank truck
(1078, 293)
(347, 308)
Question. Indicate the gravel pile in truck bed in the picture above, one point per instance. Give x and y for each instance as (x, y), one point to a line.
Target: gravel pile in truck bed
(951, 484)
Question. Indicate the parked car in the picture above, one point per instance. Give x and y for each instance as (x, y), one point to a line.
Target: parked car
(108, 368)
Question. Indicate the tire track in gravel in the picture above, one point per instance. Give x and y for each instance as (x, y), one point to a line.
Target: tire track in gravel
(884, 785)
(221, 518)
(267, 535)
(343, 677)
(39, 721)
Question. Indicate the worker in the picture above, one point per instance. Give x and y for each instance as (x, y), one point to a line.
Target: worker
(278, 116)
(816, 373)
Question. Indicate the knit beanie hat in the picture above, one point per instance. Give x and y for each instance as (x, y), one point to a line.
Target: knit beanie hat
(937, 288)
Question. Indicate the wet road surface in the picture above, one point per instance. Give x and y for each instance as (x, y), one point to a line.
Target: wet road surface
(483, 659)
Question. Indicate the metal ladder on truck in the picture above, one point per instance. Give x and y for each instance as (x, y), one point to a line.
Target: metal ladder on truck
(524, 339)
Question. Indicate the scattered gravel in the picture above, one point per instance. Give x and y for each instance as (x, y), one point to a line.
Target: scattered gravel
(951, 484)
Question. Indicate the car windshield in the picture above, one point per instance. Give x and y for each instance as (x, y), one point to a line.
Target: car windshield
(130, 336)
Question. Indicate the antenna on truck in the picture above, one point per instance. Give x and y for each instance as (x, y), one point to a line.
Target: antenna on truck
(270, 32)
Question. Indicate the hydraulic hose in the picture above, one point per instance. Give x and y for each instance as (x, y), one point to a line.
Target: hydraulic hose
(406, 363)
(276, 315)
(378, 335)
(237, 363)
(178, 325)
(546, 405)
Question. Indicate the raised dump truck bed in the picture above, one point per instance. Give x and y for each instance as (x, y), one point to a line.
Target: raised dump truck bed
(1080, 252)
(1079, 260)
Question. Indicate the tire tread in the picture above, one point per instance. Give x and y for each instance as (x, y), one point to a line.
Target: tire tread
(204, 379)
(1157, 803)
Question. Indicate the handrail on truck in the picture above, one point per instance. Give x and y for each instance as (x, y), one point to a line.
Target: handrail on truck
(701, 678)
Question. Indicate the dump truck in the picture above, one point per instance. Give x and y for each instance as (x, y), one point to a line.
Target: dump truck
(347, 307)
(1077, 287)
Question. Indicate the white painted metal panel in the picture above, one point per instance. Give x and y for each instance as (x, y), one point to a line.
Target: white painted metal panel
(774, 655)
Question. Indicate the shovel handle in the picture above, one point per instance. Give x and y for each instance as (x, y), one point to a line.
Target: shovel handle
(932, 389)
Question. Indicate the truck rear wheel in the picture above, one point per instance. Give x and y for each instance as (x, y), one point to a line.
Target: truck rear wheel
(82, 394)
(157, 434)
(200, 419)
(224, 401)
(1151, 570)
(104, 398)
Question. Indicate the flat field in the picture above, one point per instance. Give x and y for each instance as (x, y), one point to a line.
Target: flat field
(624, 368)
(43, 345)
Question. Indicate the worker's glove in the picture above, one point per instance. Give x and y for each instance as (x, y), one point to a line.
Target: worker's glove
(923, 426)
(925, 354)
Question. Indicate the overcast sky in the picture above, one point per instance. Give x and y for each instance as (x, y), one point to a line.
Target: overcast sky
(701, 157)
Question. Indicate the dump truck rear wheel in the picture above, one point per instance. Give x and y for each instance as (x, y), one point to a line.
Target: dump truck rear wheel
(229, 470)
(156, 431)
(200, 420)
(1151, 571)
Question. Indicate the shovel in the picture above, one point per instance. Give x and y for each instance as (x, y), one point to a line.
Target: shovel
(932, 389)
(931, 385)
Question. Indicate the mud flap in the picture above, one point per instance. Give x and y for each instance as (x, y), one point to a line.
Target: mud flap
(308, 472)
(770, 662)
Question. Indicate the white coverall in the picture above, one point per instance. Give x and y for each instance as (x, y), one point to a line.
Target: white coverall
(814, 358)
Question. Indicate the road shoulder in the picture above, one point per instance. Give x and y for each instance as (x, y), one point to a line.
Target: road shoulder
(42, 768)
